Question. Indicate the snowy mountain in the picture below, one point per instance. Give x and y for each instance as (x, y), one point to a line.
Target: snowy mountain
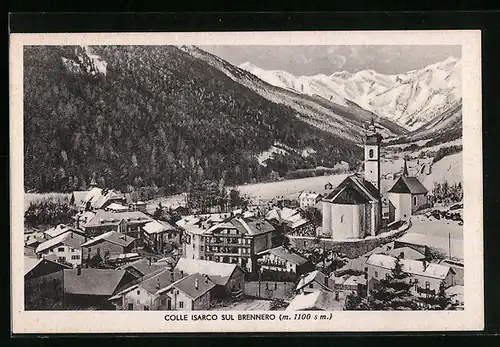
(340, 117)
(411, 99)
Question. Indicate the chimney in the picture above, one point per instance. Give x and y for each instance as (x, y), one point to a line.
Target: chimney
(196, 284)
(171, 276)
(78, 270)
(206, 279)
(326, 281)
(424, 263)
(157, 283)
(182, 274)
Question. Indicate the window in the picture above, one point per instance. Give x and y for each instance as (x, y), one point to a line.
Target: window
(72, 249)
(139, 292)
(75, 257)
(427, 285)
(386, 276)
(342, 219)
(193, 246)
(370, 153)
(163, 301)
(60, 249)
(201, 248)
(146, 308)
(201, 257)
(130, 307)
(376, 274)
(181, 304)
(311, 285)
(61, 258)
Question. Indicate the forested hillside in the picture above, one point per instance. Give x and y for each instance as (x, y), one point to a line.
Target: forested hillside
(151, 116)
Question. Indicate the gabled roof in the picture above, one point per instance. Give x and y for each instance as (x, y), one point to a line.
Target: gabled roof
(414, 267)
(59, 229)
(157, 227)
(219, 273)
(252, 226)
(79, 197)
(68, 238)
(350, 196)
(31, 263)
(103, 218)
(287, 255)
(116, 207)
(316, 276)
(188, 285)
(408, 185)
(111, 236)
(356, 189)
(92, 281)
(408, 253)
(144, 267)
(305, 195)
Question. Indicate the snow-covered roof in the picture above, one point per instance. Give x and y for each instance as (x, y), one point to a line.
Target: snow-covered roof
(69, 238)
(116, 207)
(414, 267)
(157, 227)
(316, 276)
(286, 254)
(305, 195)
(219, 273)
(317, 300)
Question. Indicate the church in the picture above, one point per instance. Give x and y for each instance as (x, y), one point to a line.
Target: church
(353, 210)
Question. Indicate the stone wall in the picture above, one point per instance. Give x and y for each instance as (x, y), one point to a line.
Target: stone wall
(351, 248)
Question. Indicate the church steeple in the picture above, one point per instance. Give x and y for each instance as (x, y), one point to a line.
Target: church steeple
(372, 155)
(405, 168)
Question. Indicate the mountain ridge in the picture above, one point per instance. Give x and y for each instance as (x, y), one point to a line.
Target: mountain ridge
(411, 100)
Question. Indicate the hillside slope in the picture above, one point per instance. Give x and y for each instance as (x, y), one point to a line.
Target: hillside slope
(156, 116)
(411, 99)
(346, 120)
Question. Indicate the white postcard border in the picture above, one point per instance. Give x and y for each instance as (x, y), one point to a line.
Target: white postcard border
(472, 318)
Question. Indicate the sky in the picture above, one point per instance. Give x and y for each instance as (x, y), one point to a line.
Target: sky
(311, 60)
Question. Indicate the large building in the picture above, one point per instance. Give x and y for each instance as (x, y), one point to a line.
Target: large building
(236, 240)
(353, 209)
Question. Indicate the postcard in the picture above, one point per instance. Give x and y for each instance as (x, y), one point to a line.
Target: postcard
(246, 182)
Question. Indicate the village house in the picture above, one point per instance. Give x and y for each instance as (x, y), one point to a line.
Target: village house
(427, 244)
(77, 289)
(191, 293)
(130, 223)
(158, 234)
(426, 277)
(106, 245)
(228, 278)
(407, 195)
(349, 283)
(144, 294)
(280, 259)
(289, 220)
(313, 281)
(34, 268)
(308, 199)
(58, 230)
(100, 198)
(66, 246)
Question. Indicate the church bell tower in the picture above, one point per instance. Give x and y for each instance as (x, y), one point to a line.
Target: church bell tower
(372, 155)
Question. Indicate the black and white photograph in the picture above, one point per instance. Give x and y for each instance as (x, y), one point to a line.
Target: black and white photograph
(248, 182)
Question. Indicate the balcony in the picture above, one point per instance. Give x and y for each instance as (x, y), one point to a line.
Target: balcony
(227, 244)
(271, 263)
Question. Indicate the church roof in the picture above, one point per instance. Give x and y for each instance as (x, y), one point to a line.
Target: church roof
(408, 185)
(354, 189)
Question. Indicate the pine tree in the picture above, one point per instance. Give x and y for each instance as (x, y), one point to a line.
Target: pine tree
(440, 301)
